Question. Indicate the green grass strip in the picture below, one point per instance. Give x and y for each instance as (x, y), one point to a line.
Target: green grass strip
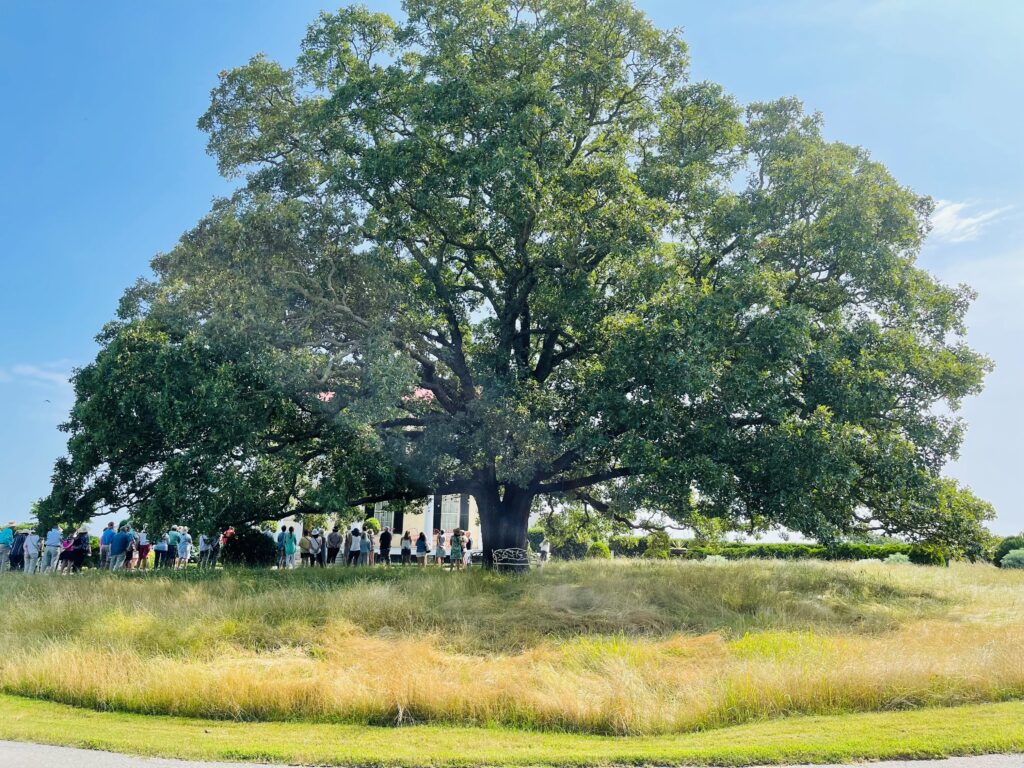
(924, 733)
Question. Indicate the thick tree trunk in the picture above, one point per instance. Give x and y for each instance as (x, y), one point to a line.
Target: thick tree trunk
(503, 519)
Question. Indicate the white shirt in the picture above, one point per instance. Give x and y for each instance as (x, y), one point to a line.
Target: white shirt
(356, 540)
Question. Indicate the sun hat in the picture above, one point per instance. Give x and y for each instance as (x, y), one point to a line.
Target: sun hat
(11, 524)
(84, 529)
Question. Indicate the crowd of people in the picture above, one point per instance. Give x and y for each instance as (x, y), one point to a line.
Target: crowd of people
(27, 551)
(368, 547)
(122, 547)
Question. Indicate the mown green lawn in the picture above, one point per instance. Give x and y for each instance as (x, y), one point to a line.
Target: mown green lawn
(936, 732)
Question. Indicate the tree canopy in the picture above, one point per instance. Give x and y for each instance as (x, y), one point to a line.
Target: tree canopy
(510, 249)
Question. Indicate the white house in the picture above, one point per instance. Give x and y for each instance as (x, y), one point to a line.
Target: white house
(444, 512)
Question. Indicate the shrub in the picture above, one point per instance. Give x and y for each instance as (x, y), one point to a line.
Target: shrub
(715, 559)
(627, 546)
(573, 547)
(897, 558)
(371, 524)
(599, 550)
(1013, 559)
(1006, 546)
(249, 546)
(658, 545)
(926, 555)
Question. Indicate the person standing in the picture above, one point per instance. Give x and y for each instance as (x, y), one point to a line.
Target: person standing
(467, 556)
(160, 553)
(119, 547)
(290, 545)
(32, 542)
(366, 547)
(385, 546)
(457, 550)
(217, 544)
(281, 563)
(143, 545)
(355, 546)
(334, 542)
(17, 556)
(406, 545)
(315, 547)
(421, 548)
(6, 543)
(184, 548)
(322, 555)
(204, 549)
(66, 558)
(173, 540)
(439, 550)
(105, 538)
(304, 549)
(545, 550)
(51, 549)
(81, 548)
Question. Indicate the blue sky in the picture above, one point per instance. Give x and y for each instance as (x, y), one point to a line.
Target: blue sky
(104, 167)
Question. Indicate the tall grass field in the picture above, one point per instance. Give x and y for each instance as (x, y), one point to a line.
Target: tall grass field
(591, 647)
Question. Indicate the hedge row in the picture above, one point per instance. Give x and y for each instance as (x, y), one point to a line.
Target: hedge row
(785, 551)
(633, 546)
(637, 546)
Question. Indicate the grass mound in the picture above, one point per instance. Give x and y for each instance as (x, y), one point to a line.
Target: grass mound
(618, 648)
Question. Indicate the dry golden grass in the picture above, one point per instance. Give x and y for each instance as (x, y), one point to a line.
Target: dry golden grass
(607, 648)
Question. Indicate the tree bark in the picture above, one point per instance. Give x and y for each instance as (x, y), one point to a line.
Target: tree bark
(504, 519)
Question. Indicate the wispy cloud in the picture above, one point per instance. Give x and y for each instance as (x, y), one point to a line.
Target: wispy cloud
(52, 380)
(46, 374)
(959, 222)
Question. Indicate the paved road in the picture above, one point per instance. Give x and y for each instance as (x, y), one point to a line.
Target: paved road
(19, 755)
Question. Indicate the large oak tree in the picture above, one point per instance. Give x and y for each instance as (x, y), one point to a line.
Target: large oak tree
(509, 249)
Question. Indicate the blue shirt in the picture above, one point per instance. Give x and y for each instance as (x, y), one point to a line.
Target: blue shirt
(120, 543)
(7, 537)
(107, 536)
(54, 538)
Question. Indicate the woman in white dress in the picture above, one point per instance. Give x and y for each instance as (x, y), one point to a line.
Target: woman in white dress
(184, 548)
